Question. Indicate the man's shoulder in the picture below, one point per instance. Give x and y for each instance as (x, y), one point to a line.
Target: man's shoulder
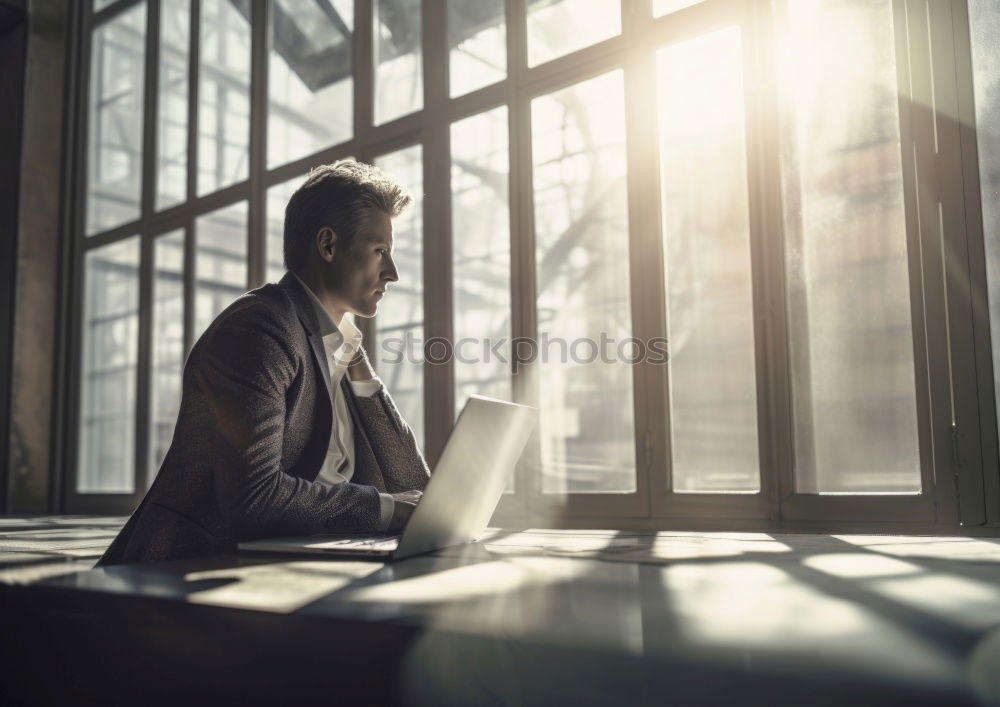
(264, 313)
(268, 304)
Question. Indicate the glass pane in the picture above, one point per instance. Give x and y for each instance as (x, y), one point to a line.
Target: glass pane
(274, 246)
(559, 27)
(399, 85)
(581, 237)
(114, 154)
(481, 258)
(480, 255)
(706, 245)
(850, 337)
(167, 345)
(223, 94)
(220, 263)
(984, 25)
(665, 7)
(107, 388)
(399, 325)
(101, 4)
(477, 44)
(310, 88)
(172, 120)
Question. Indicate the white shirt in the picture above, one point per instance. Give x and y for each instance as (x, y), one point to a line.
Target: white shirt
(340, 345)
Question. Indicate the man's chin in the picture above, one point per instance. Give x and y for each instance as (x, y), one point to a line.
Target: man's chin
(366, 309)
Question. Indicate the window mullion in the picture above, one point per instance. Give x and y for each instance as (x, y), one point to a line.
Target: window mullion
(194, 91)
(259, 50)
(77, 236)
(513, 506)
(645, 258)
(967, 456)
(364, 69)
(974, 211)
(150, 103)
(143, 398)
(522, 247)
(149, 152)
(363, 66)
(773, 373)
(927, 286)
(438, 379)
(72, 187)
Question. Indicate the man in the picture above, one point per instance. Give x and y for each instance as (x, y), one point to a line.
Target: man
(283, 427)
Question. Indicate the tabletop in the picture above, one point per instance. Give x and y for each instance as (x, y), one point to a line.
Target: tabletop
(536, 615)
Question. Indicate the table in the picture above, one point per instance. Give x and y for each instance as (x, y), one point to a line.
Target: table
(527, 617)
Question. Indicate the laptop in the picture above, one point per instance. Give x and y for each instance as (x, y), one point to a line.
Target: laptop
(459, 499)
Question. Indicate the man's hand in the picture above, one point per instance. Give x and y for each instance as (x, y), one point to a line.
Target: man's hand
(406, 502)
(360, 368)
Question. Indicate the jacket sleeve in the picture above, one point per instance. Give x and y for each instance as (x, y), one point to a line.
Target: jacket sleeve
(399, 457)
(243, 371)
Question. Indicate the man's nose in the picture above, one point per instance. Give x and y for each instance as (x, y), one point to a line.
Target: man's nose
(391, 273)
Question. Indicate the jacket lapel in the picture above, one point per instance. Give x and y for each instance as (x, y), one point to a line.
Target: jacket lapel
(307, 316)
(319, 353)
(366, 466)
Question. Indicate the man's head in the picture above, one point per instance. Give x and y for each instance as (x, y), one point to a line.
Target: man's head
(338, 229)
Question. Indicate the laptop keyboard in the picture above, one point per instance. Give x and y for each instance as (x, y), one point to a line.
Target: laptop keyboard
(360, 543)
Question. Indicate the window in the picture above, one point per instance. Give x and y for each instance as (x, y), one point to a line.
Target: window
(219, 262)
(564, 26)
(480, 247)
(399, 326)
(398, 71)
(167, 355)
(311, 89)
(581, 262)
(719, 245)
(172, 118)
(277, 199)
(110, 326)
(115, 120)
(850, 331)
(223, 95)
(706, 253)
(477, 44)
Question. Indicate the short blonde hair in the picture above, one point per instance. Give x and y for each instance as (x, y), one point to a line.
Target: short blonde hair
(342, 196)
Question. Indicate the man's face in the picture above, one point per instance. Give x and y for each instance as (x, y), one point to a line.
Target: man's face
(357, 276)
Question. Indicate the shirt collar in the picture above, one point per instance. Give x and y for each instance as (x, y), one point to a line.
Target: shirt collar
(347, 331)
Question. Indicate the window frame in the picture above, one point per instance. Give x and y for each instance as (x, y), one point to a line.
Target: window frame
(949, 322)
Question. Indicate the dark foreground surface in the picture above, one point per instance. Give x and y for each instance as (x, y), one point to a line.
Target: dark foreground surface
(536, 617)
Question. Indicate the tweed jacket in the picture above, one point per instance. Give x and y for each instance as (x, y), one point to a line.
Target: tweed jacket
(253, 429)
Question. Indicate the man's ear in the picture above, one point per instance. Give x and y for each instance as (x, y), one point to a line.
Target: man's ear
(326, 243)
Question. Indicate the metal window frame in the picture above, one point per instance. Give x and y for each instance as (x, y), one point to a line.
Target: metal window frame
(982, 338)
(74, 501)
(950, 320)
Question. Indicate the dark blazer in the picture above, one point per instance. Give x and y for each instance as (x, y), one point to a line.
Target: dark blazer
(251, 437)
